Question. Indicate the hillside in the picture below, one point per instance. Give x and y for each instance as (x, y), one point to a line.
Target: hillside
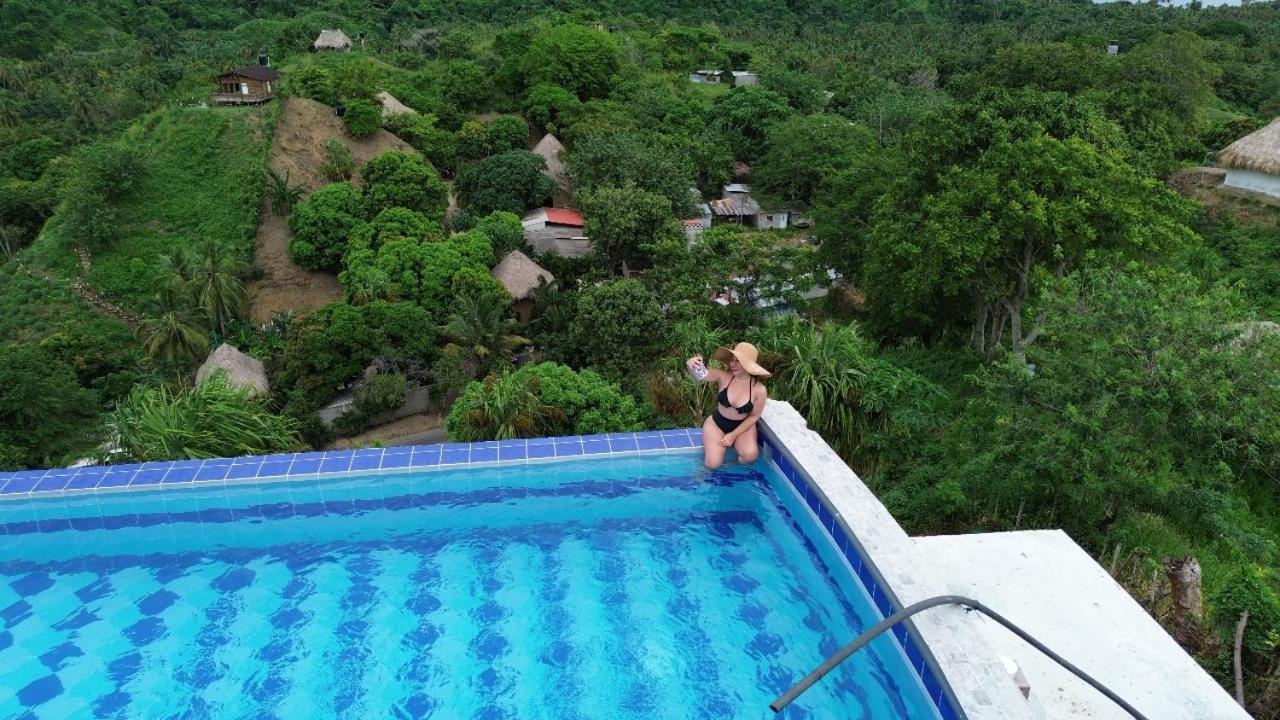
(297, 153)
(198, 177)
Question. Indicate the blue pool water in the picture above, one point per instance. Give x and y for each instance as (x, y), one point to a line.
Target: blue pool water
(607, 588)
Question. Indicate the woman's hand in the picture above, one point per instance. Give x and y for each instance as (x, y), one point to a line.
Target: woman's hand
(691, 362)
(728, 440)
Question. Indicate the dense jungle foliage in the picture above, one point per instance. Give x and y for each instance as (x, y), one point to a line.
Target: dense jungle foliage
(1026, 325)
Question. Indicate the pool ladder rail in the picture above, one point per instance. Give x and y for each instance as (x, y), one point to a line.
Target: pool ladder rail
(969, 604)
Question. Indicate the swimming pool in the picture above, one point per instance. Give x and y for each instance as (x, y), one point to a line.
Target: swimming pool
(616, 587)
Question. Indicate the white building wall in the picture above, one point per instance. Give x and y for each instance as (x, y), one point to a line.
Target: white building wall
(772, 220)
(1253, 181)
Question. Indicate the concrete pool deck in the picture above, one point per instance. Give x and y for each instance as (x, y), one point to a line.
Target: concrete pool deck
(1040, 580)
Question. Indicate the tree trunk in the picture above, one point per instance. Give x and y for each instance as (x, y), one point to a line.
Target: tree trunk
(1188, 603)
(1235, 656)
(1184, 579)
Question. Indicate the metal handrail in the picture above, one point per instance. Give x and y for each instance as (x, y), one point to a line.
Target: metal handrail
(862, 640)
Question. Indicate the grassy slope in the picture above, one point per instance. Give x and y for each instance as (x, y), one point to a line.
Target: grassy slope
(202, 178)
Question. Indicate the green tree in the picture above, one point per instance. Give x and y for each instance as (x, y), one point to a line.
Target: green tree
(464, 83)
(551, 107)
(472, 141)
(322, 225)
(173, 333)
(45, 415)
(539, 400)
(576, 58)
(216, 285)
(621, 159)
(334, 344)
(511, 182)
(802, 152)
(754, 265)
(422, 132)
(625, 223)
(620, 326)
(484, 332)
(362, 118)
(398, 179)
(507, 133)
(505, 232)
(745, 114)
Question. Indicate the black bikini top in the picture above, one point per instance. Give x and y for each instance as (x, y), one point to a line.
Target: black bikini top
(745, 408)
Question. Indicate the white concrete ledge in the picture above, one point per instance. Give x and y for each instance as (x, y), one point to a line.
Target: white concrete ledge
(1047, 585)
(971, 665)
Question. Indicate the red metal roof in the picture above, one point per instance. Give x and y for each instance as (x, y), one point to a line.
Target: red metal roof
(564, 216)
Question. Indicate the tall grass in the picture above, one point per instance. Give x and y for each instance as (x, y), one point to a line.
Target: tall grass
(214, 419)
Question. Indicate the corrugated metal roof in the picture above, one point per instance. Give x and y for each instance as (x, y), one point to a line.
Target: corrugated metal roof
(739, 206)
(257, 72)
(564, 216)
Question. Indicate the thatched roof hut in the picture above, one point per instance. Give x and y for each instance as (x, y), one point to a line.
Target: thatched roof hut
(1258, 151)
(519, 275)
(392, 106)
(549, 147)
(242, 370)
(332, 40)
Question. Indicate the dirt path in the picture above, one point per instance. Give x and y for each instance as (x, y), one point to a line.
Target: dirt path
(298, 151)
(423, 429)
(1205, 185)
(94, 299)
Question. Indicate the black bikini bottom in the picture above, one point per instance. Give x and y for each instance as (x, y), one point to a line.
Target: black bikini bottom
(725, 424)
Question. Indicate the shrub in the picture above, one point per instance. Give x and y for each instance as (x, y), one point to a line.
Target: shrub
(323, 224)
(512, 181)
(505, 232)
(362, 118)
(338, 164)
(380, 394)
(213, 419)
(620, 327)
(507, 133)
(542, 399)
(398, 179)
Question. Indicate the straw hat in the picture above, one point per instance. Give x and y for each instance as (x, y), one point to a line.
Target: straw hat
(746, 354)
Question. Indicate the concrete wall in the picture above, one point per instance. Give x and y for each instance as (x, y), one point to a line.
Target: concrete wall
(417, 400)
(772, 220)
(1253, 181)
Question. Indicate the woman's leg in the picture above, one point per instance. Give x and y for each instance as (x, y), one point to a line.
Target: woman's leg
(747, 445)
(712, 451)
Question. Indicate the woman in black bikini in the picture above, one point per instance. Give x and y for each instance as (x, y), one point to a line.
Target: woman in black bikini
(741, 400)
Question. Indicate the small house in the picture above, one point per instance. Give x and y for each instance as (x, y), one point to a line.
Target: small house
(248, 85)
(737, 206)
(1113, 48)
(694, 226)
(705, 77)
(740, 78)
(558, 231)
(242, 371)
(1253, 162)
(332, 41)
(549, 148)
(521, 276)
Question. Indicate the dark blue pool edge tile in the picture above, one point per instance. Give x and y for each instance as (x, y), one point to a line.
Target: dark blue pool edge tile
(944, 700)
(23, 484)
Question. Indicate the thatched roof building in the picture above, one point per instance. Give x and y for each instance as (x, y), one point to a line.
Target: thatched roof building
(1258, 151)
(242, 370)
(550, 147)
(519, 275)
(332, 40)
(392, 106)
(1253, 161)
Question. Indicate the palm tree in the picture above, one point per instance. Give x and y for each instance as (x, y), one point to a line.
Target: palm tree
(177, 271)
(507, 406)
(283, 195)
(216, 285)
(173, 333)
(484, 332)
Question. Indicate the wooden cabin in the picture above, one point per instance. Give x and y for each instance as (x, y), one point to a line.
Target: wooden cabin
(249, 85)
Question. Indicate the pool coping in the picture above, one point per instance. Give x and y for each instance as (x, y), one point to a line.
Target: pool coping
(215, 472)
(960, 670)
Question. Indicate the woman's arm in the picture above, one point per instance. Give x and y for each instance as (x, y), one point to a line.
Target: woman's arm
(714, 375)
